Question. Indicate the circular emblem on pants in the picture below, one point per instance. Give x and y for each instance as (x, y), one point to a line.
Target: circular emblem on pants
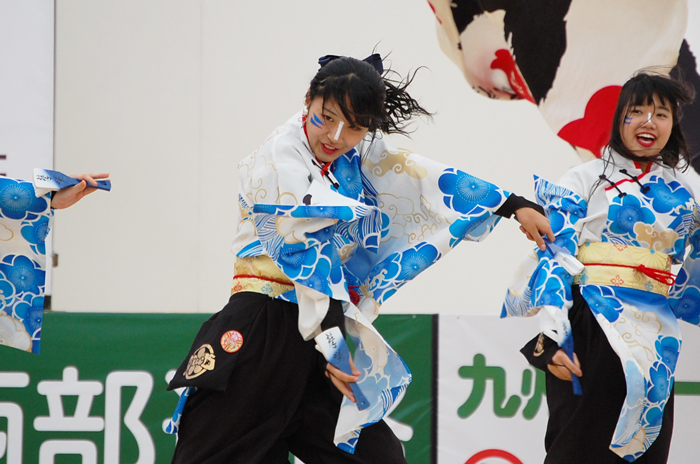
(231, 341)
(201, 361)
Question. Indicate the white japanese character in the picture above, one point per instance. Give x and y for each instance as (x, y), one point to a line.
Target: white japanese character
(85, 390)
(51, 448)
(12, 440)
(143, 381)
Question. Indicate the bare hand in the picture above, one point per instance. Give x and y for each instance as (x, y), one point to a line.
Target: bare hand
(71, 195)
(341, 380)
(534, 226)
(562, 367)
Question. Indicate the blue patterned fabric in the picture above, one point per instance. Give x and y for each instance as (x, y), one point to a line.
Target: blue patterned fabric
(658, 214)
(393, 215)
(24, 224)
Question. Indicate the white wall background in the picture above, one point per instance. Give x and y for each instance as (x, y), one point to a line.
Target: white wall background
(168, 96)
(26, 86)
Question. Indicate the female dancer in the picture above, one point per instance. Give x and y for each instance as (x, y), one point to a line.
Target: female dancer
(627, 218)
(333, 222)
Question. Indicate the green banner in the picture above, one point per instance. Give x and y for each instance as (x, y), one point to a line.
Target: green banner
(412, 337)
(96, 393)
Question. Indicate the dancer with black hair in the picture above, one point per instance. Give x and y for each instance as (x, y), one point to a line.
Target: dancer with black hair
(628, 218)
(333, 221)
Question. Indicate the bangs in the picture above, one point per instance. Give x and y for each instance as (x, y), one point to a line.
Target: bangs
(361, 107)
(642, 91)
(642, 94)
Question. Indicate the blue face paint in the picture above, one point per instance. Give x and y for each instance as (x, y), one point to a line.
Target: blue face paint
(316, 121)
(628, 119)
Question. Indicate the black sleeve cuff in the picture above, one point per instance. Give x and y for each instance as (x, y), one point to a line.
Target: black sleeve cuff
(514, 203)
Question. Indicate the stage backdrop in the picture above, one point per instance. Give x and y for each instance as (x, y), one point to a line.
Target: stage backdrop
(97, 393)
(27, 93)
(26, 86)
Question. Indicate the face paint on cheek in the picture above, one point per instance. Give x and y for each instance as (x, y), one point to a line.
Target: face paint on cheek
(337, 133)
(628, 120)
(316, 121)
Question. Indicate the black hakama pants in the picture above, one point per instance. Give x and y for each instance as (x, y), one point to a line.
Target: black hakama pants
(580, 428)
(271, 397)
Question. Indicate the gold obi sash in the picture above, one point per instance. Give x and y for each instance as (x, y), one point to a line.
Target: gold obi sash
(625, 266)
(261, 275)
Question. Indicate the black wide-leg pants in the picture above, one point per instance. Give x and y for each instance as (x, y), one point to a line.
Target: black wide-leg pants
(271, 397)
(580, 428)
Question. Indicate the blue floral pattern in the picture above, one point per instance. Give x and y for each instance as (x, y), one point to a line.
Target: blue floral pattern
(347, 171)
(658, 214)
(665, 197)
(603, 301)
(625, 213)
(464, 193)
(392, 215)
(17, 200)
(35, 234)
(25, 275)
(24, 223)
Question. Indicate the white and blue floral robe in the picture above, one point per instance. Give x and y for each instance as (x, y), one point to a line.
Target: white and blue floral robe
(392, 215)
(24, 224)
(641, 326)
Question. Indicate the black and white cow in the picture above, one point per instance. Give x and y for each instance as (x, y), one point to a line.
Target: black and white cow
(570, 57)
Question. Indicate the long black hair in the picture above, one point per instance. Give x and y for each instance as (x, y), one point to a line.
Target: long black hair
(640, 90)
(366, 96)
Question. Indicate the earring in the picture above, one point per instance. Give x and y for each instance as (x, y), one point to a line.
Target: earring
(305, 111)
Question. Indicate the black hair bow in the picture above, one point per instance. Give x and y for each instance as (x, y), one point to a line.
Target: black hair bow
(374, 59)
